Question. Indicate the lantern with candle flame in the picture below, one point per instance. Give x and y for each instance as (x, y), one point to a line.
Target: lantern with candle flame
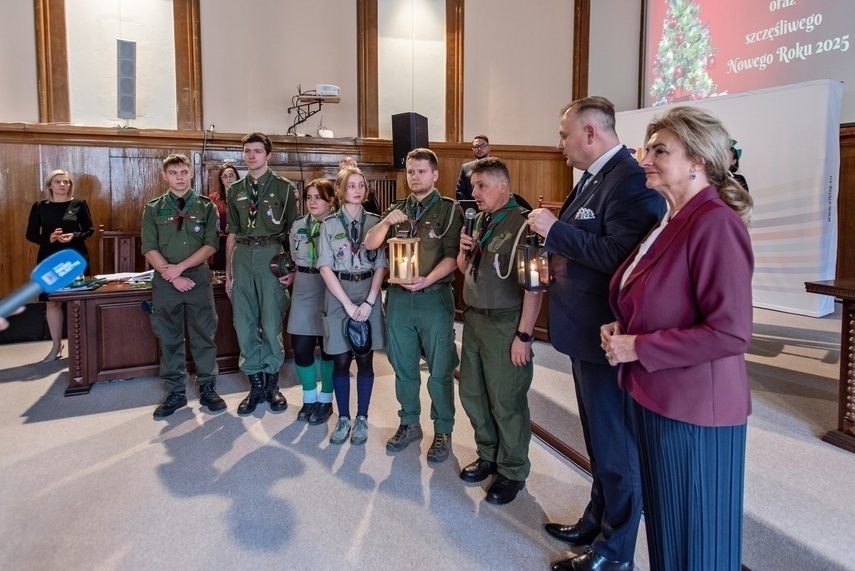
(532, 264)
(403, 259)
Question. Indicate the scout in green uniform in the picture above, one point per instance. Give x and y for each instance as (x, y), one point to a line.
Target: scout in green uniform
(305, 321)
(420, 316)
(261, 209)
(496, 368)
(179, 232)
(353, 275)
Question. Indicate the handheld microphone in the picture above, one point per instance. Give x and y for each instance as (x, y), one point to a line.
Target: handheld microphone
(54, 273)
(469, 215)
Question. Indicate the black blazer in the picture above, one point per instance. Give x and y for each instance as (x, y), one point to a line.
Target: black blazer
(595, 233)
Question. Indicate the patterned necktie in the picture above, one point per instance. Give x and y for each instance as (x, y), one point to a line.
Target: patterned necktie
(586, 176)
(253, 206)
(354, 236)
(180, 222)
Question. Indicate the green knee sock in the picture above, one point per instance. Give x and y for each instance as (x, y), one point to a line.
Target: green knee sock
(326, 376)
(308, 376)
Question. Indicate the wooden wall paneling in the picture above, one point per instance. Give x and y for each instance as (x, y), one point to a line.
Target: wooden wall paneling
(368, 122)
(188, 63)
(52, 61)
(581, 41)
(846, 205)
(89, 168)
(20, 175)
(135, 178)
(454, 71)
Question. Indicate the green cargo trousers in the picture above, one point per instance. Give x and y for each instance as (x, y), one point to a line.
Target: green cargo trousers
(416, 322)
(170, 309)
(494, 392)
(259, 303)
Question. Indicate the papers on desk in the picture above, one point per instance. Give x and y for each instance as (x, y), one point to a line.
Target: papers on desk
(131, 277)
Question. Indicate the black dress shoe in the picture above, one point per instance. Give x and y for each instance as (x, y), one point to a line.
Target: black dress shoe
(173, 402)
(306, 411)
(590, 561)
(477, 471)
(504, 490)
(321, 414)
(576, 534)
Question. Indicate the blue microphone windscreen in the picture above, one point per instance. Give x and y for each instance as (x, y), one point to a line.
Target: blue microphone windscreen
(58, 270)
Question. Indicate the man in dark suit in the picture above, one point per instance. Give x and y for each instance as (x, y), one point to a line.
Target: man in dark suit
(606, 215)
(481, 148)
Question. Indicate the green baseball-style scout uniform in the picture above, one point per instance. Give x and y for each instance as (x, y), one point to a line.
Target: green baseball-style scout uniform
(424, 320)
(354, 266)
(493, 391)
(177, 233)
(260, 212)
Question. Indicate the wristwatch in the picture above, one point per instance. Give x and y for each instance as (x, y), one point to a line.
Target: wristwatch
(524, 337)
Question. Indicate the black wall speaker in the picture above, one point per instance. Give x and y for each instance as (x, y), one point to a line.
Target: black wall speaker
(127, 75)
(409, 131)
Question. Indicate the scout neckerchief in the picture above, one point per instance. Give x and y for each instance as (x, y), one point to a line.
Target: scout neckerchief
(255, 196)
(313, 230)
(355, 235)
(182, 205)
(416, 210)
(484, 234)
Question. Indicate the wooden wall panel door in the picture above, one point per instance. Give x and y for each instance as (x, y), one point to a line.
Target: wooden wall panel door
(20, 183)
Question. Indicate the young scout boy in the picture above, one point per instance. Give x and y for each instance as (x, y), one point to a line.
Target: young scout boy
(179, 232)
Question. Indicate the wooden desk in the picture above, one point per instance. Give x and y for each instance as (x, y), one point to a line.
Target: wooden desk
(110, 337)
(844, 436)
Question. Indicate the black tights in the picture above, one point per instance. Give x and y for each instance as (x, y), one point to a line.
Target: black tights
(364, 365)
(304, 349)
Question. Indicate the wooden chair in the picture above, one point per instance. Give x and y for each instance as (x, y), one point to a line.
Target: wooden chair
(554, 207)
(124, 248)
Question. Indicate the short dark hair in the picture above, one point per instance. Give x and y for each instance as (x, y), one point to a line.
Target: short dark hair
(325, 188)
(602, 107)
(176, 159)
(486, 140)
(424, 155)
(257, 137)
(492, 165)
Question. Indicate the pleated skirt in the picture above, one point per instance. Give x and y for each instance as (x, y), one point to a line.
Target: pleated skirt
(693, 480)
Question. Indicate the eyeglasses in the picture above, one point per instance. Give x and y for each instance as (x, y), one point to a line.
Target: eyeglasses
(228, 176)
(479, 146)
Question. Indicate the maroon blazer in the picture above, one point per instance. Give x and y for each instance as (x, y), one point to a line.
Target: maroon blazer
(689, 302)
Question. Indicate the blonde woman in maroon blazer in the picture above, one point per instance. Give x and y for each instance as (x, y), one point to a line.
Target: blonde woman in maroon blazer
(683, 306)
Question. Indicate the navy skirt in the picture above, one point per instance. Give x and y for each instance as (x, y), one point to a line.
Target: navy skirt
(692, 480)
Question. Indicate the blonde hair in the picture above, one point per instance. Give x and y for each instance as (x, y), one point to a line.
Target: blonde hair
(341, 183)
(706, 140)
(52, 175)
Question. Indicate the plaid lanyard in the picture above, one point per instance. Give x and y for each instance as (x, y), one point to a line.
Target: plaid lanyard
(416, 210)
(182, 205)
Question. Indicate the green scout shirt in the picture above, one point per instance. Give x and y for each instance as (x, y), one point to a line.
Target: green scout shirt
(336, 250)
(490, 291)
(276, 211)
(438, 230)
(160, 226)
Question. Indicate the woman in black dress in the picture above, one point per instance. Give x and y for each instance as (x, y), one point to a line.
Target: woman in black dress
(59, 223)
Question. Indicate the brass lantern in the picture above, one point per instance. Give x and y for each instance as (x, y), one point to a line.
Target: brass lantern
(403, 259)
(532, 264)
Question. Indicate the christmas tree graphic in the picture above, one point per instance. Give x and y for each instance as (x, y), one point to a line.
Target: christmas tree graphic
(685, 54)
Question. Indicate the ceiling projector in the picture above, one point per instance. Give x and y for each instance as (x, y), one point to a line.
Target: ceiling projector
(326, 90)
